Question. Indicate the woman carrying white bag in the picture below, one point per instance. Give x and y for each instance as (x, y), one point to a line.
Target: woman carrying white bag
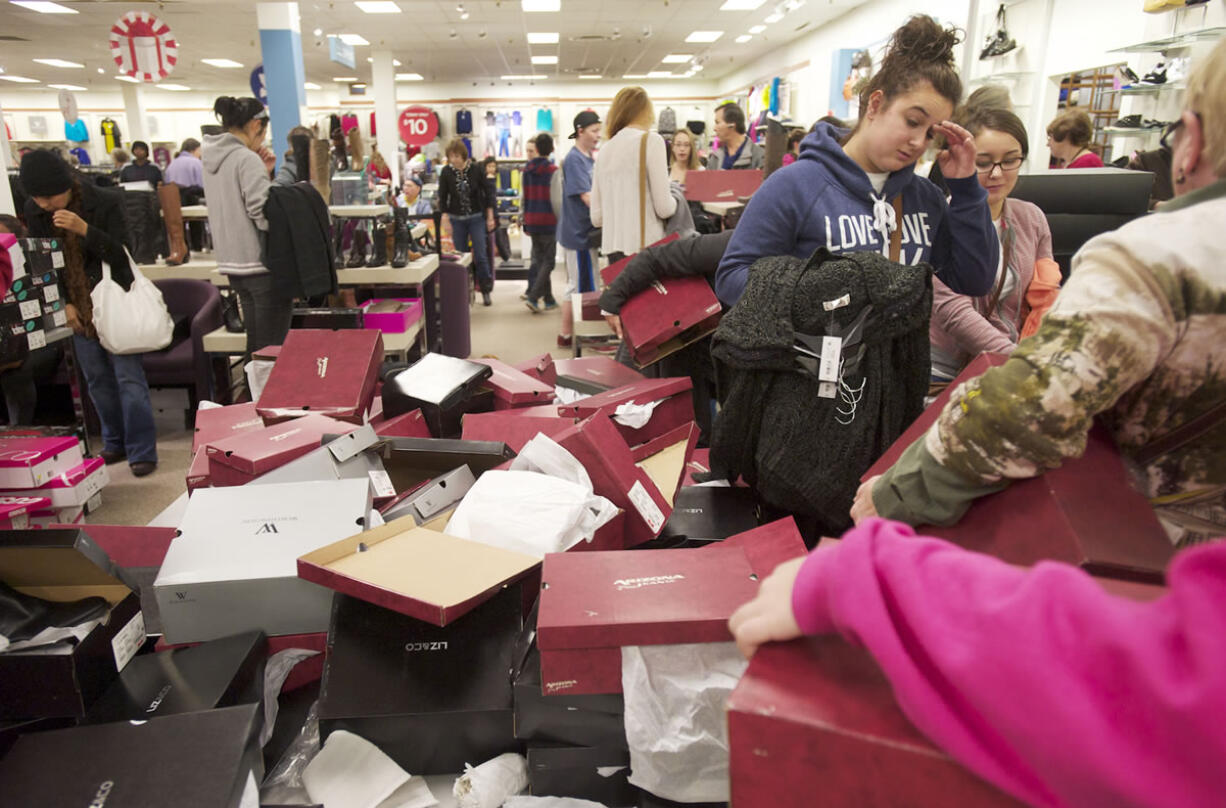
(90, 222)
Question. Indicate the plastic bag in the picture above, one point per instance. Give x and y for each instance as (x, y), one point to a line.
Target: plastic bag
(675, 725)
(258, 371)
(131, 322)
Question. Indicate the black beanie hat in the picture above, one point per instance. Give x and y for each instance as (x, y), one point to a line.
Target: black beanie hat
(44, 173)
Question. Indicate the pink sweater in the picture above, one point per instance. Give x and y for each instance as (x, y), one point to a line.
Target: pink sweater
(1038, 680)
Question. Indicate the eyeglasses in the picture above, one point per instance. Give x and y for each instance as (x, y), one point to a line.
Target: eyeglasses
(1008, 164)
(1169, 131)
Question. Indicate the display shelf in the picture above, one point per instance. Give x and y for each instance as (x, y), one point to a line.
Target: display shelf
(1007, 75)
(1174, 42)
(1152, 89)
(1119, 131)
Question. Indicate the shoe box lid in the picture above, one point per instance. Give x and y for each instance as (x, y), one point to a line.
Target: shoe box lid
(512, 427)
(594, 374)
(262, 450)
(411, 461)
(513, 387)
(675, 406)
(324, 371)
(218, 423)
(60, 564)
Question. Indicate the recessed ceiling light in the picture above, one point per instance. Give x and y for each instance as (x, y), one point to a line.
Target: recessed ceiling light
(378, 6)
(128, 79)
(18, 79)
(695, 68)
(344, 79)
(743, 38)
(677, 58)
(757, 29)
(176, 88)
(58, 63)
(103, 72)
(361, 84)
(408, 77)
(318, 32)
(523, 78)
(543, 38)
(774, 18)
(541, 5)
(43, 7)
(73, 87)
(544, 60)
(353, 39)
(222, 62)
(704, 36)
(741, 5)
(590, 76)
(633, 76)
(310, 85)
(659, 74)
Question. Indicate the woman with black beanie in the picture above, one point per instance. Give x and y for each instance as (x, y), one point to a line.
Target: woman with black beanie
(90, 222)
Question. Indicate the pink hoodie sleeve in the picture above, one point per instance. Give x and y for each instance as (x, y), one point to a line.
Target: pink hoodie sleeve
(7, 240)
(1038, 680)
(955, 315)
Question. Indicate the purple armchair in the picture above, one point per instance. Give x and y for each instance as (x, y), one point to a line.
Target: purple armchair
(196, 309)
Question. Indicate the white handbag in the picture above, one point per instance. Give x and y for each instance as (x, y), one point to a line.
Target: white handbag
(131, 322)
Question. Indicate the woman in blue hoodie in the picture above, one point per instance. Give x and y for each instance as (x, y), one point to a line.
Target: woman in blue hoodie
(840, 193)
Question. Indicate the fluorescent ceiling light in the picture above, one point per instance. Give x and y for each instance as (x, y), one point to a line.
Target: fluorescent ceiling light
(541, 5)
(175, 88)
(633, 76)
(677, 58)
(522, 78)
(408, 77)
(344, 79)
(741, 5)
(222, 62)
(18, 79)
(58, 63)
(704, 36)
(44, 7)
(774, 18)
(590, 76)
(544, 60)
(371, 59)
(378, 6)
(543, 38)
(128, 79)
(310, 85)
(757, 29)
(73, 87)
(743, 38)
(792, 5)
(353, 39)
(358, 84)
(695, 68)
(659, 74)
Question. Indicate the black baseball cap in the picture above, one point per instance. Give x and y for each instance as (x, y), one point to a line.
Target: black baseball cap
(583, 120)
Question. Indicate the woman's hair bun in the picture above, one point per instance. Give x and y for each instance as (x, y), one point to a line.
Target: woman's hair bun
(922, 39)
(224, 106)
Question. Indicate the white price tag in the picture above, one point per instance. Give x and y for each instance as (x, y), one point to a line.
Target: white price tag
(60, 318)
(646, 507)
(37, 339)
(381, 483)
(93, 503)
(51, 293)
(31, 309)
(128, 641)
(57, 259)
(827, 389)
(832, 348)
(19, 522)
(837, 303)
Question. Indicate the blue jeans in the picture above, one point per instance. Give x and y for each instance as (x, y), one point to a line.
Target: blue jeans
(121, 396)
(466, 228)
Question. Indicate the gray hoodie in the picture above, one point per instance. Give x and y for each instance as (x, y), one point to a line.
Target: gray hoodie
(236, 187)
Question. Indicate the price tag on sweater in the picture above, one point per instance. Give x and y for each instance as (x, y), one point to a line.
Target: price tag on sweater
(832, 349)
(827, 390)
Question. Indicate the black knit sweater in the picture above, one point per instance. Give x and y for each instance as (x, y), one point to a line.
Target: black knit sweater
(804, 453)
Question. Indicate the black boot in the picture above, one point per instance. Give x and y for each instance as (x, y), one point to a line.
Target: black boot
(230, 314)
(378, 252)
(357, 252)
(400, 253)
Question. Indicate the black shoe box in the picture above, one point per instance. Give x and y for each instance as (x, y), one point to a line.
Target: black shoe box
(705, 514)
(10, 731)
(443, 388)
(583, 720)
(219, 673)
(409, 461)
(431, 698)
(192, 760)
(574, 771)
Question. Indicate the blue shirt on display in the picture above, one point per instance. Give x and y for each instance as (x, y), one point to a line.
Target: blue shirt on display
(576, 216)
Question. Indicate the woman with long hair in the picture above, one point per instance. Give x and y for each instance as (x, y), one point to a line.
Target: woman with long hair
(90, 222)
(684, 156)
(633, 157)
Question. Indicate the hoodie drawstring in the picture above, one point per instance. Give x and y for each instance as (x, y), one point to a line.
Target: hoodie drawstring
(884, 221)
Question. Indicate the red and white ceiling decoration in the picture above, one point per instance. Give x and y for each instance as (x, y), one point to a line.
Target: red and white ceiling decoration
(143, 46)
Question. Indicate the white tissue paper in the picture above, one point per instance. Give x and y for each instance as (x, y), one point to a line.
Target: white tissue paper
(634, 415)
(415, 793)
(543, 504)
(208, 405)
(675, 725)
(258, 371)
(351, 772)
(567, 395)
(492, 783)
(550, 802)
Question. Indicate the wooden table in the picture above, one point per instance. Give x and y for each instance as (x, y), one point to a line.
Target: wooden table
(228, 343)
(415, 273)
(340, 211)
(722, 208)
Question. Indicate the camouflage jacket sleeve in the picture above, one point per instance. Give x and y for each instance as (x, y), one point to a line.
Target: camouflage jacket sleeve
(1110, 327)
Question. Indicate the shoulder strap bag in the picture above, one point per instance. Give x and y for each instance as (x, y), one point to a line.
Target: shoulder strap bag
(131, 322)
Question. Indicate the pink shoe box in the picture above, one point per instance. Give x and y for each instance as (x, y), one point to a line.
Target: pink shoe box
(76, 486)
(391, 322)
(29, 462)
(15, 511)
(48, 517)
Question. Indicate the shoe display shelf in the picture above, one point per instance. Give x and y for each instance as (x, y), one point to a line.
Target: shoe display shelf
(1174, 42)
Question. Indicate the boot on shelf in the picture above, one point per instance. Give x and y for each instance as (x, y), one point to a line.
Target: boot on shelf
(378, 251)
(357, 252)
(172, 214)
(400, 254)
(321, 169)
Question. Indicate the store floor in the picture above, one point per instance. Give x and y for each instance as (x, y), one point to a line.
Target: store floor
(506, 330)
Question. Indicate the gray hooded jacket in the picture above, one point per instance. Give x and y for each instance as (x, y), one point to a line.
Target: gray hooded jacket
(236, 187)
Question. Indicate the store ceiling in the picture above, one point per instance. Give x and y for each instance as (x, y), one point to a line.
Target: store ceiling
(611, 38)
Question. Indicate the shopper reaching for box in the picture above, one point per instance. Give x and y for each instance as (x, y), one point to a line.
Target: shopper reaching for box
(841, 193)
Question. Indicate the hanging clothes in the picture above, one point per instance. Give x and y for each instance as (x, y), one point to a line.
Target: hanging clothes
(544, 120)
(81, 155)
(373, 131)
(111, 137)
(667, 124)
(463, 122)
(349, 122)
(76, 131)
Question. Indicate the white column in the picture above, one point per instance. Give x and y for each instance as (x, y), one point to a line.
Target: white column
(134, 109)
(6, 161)
(383, 79)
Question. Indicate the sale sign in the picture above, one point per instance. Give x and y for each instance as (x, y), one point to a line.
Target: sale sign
(418, 126)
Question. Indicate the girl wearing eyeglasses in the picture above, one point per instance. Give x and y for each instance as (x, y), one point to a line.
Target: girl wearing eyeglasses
(962, 327)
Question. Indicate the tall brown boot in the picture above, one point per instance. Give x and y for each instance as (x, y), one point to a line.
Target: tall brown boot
(172, 215)
(321, 168)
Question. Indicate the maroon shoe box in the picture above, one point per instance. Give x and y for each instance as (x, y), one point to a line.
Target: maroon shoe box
(240, 459)
(540, 368)
(728, 185)
(411, 424)
(513, 388)
(676, 406)
(219, 423)
(1085, 512)
(323, 372)
(513, 428)
(594, 374)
